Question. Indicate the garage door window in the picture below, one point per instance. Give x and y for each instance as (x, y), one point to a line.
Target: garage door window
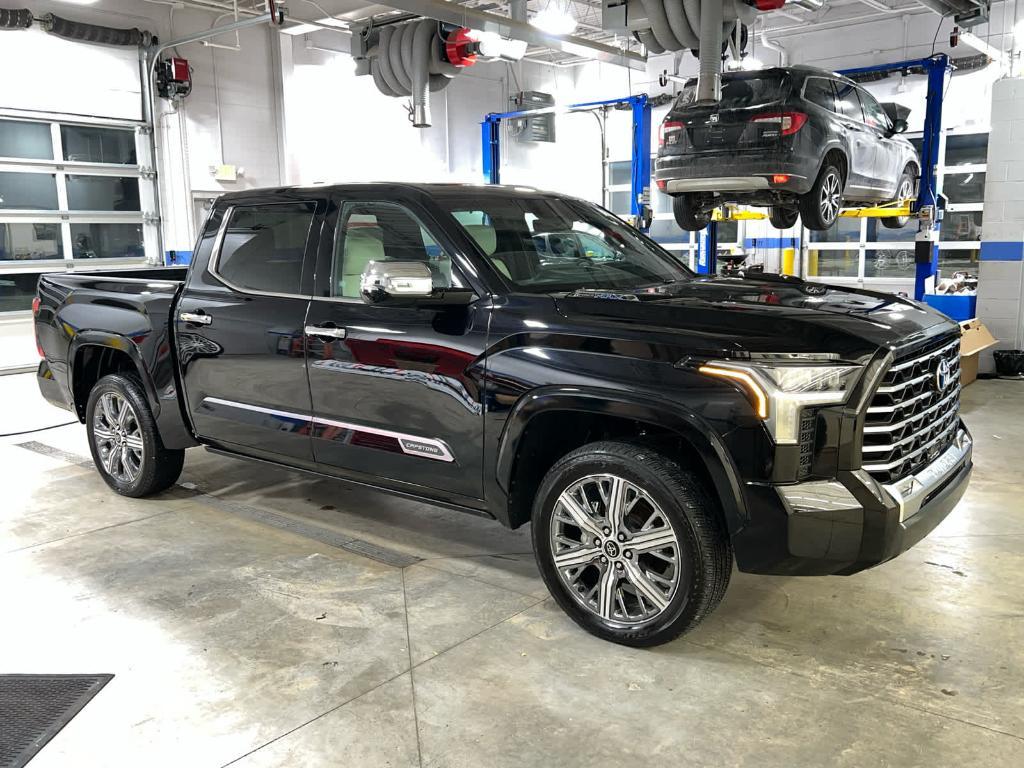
(73, 192)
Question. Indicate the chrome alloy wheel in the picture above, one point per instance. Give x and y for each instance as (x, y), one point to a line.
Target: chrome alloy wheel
(615, 550)
(117, 435)
(830, 201)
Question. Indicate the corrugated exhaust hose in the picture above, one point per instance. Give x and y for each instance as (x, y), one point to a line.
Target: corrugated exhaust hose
(93, 33)
(15, 18)
(675, 25)
(407, 62)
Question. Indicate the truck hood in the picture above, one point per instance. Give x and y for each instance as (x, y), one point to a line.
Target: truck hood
(762, 313)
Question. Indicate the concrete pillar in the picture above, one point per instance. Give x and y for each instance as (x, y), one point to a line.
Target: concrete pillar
(1001, 270)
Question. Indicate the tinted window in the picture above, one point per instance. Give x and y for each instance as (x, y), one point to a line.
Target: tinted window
(849, 102)
(543, 244)
(264, 245)
(107, 241)
(30, 242)
(874, 115)
(966, 149)
(738, 90)
(818, 90)
(387, 232)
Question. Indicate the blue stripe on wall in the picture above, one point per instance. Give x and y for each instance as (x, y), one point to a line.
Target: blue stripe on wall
(995, 250)
(771, 242)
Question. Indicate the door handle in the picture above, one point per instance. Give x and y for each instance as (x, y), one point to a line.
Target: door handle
(200, 318)
(325, 331)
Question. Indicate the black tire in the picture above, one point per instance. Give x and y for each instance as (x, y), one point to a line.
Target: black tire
(904, 190)
(688, 214)
(703, 549)
(819, 208)
(157, 469)
(782, 217)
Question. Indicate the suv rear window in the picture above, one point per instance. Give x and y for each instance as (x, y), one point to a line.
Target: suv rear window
(739, 90)
(818, 90)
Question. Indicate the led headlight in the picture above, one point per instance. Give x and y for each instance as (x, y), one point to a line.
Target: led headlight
(780, 385)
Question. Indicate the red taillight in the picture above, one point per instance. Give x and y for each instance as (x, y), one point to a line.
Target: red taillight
(780, 178)
(788, 122)
(667, 128)
(662, 184)
(35, 306)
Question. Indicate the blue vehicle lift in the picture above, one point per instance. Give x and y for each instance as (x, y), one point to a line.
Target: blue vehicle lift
(927, 206)
(640, 176)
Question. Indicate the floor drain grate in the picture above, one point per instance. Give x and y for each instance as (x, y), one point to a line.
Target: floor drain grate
(33, 709)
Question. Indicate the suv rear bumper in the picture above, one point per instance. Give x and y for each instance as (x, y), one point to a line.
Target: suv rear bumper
(850, 524)
(735, 172)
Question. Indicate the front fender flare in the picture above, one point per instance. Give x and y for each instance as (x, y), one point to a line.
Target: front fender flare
(637, 407)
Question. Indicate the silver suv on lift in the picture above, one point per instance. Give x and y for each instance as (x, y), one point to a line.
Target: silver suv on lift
(798, 140)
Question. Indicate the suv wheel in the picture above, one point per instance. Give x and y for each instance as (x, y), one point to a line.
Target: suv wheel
(820, 207)
(688, 213)
(629, 543)
(125, 445)
(904, 191)
(783, 217)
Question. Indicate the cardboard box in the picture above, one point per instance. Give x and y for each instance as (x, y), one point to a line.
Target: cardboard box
(974, 338)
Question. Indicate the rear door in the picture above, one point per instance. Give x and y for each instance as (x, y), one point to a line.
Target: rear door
(239, 328)
(888, 153)
(741, 122)
(860, 140)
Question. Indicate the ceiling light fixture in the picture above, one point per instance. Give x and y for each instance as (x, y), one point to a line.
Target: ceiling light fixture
(555, 18)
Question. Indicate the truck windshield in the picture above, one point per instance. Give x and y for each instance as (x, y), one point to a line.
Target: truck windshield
(548, 244)
(739, 90)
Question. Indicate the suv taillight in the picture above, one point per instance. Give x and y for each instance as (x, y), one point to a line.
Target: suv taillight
(667, 128)
(788, 122)
(35, 306)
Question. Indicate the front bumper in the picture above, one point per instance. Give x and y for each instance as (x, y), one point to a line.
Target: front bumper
(852, 523)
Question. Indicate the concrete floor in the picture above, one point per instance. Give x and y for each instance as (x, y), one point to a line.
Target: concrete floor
(233, 641)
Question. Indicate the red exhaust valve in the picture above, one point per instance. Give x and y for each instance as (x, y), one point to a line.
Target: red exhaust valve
(460, 48)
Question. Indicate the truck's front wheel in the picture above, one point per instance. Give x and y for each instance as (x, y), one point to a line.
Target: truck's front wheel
(124, 441)
(629, 543)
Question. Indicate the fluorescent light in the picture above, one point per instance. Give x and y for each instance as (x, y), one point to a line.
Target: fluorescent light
(305, 28)
(80, 2)
(980, 45)
(554, 19)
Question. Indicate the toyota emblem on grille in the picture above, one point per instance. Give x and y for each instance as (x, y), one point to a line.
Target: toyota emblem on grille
(942, 376)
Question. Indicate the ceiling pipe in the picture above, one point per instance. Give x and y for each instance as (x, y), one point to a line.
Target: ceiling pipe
(774, 46)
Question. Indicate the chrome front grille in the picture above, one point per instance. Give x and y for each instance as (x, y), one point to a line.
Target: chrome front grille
(914, 414)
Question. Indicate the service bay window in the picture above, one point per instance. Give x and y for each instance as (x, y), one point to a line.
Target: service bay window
(72, 195)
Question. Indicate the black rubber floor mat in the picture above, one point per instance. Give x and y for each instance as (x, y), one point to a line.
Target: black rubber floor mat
(33, 709)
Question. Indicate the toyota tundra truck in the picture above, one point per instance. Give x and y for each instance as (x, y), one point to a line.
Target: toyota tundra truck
(654, 426)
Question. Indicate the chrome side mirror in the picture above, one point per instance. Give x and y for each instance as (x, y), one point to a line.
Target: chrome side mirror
(384, 280)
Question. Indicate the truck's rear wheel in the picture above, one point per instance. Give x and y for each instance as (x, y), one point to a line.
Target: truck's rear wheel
(630, 544)
(124, 441)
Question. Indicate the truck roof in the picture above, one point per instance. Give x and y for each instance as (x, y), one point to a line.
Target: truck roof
(390, 189)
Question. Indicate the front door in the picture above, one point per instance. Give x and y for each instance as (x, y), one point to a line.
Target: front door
(394, 391)
(239, 329)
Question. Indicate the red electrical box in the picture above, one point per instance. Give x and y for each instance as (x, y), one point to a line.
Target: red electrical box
(173, 78)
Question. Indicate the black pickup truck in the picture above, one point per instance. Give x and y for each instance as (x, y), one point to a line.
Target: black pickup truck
(528, 357)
